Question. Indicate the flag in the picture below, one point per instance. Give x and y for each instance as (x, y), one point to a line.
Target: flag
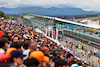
(48, 32)
(45, 31)
(52, 33)
(56, 33)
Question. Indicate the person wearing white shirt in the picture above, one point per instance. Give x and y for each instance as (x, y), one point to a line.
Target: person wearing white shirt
(29, 46)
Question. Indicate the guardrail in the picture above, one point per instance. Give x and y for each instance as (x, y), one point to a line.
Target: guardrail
(79, 32)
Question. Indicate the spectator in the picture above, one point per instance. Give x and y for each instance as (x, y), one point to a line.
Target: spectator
(52, 64)
(74, 64)
(14, 46)
(60, 63)
(38, 57)
(1, 33)
(70, 57)
(16, 58)
(3, 57)
(80, 63)
(95, 51)
(31, 62)
(29, 46)
(45, 50)
(8, 34)
(2, 64)
(3, 44)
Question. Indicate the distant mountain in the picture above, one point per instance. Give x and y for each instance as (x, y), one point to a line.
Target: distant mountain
(46, 11)
(11, 11)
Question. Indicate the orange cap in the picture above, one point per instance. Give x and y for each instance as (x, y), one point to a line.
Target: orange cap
(10, 50)
(38, 55)
(46, 59)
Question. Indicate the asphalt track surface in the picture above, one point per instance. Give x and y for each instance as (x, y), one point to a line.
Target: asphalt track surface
(83, 37)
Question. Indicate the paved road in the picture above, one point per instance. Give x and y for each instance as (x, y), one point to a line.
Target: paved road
(84, 58)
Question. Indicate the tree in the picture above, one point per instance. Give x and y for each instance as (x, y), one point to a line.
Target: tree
(7, 17)
(2, 14)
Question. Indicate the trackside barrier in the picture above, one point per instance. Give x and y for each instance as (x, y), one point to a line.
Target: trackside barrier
(56, 41)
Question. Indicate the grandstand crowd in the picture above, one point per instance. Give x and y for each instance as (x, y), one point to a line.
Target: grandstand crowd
(22, 46)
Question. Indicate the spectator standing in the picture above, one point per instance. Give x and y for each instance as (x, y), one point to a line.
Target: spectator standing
(29, 46)
(52, 64)
(3, 44)
(16, 59)
(14, 46)
(70, 57)
(95, 51)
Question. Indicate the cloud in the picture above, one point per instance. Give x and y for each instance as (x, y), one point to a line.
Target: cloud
(88, 5)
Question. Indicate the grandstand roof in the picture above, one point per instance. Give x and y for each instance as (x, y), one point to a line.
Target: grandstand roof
(91, 26)
(72, 22)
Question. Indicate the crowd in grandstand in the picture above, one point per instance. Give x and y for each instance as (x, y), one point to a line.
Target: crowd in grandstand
(21, 46)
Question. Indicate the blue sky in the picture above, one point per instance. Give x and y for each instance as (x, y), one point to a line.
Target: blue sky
(87, 5)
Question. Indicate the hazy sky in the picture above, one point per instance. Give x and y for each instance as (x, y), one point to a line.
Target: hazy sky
(88, 5)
